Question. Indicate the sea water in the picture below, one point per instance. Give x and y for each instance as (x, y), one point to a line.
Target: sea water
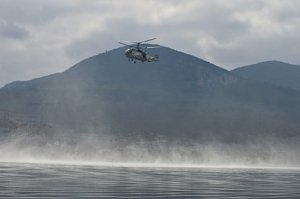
(27, 180)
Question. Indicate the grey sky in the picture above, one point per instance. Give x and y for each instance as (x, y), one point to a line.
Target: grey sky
(40, 37)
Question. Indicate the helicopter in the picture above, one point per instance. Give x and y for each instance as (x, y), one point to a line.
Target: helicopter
(135, 52)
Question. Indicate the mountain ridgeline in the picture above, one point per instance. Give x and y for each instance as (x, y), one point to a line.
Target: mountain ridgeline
(272, 72)
(179, 97)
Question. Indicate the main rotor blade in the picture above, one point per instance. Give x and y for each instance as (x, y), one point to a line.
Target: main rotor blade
(126, 44)
(153, 47)
(140, 42)
(147, 40)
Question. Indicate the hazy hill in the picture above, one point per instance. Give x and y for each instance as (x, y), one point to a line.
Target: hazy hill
(274, 72)
(180, 97)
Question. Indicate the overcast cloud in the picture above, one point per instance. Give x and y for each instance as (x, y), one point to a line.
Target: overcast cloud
(40, 37)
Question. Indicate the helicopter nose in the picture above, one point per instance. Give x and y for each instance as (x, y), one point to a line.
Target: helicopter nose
(127, 52)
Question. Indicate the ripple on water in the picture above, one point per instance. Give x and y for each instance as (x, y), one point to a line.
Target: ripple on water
(42, 180)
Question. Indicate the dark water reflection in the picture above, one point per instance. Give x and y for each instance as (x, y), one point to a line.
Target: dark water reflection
(67, 181)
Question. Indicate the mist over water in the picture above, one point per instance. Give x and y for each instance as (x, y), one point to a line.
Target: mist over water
(200, 115)
(104, 149)
(102, 166)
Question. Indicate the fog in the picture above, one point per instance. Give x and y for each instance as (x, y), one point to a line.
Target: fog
(91, 149)
(178, 111)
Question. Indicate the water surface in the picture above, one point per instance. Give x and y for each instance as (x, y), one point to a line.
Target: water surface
(23, 180)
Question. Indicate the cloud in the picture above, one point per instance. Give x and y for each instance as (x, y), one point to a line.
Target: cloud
(12, 31)
(42, 37)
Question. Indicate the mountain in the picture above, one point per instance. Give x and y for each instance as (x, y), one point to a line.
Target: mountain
(273, 72)
(180, 97)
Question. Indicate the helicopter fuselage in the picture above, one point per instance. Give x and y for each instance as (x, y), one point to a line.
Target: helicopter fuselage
(133, 54)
